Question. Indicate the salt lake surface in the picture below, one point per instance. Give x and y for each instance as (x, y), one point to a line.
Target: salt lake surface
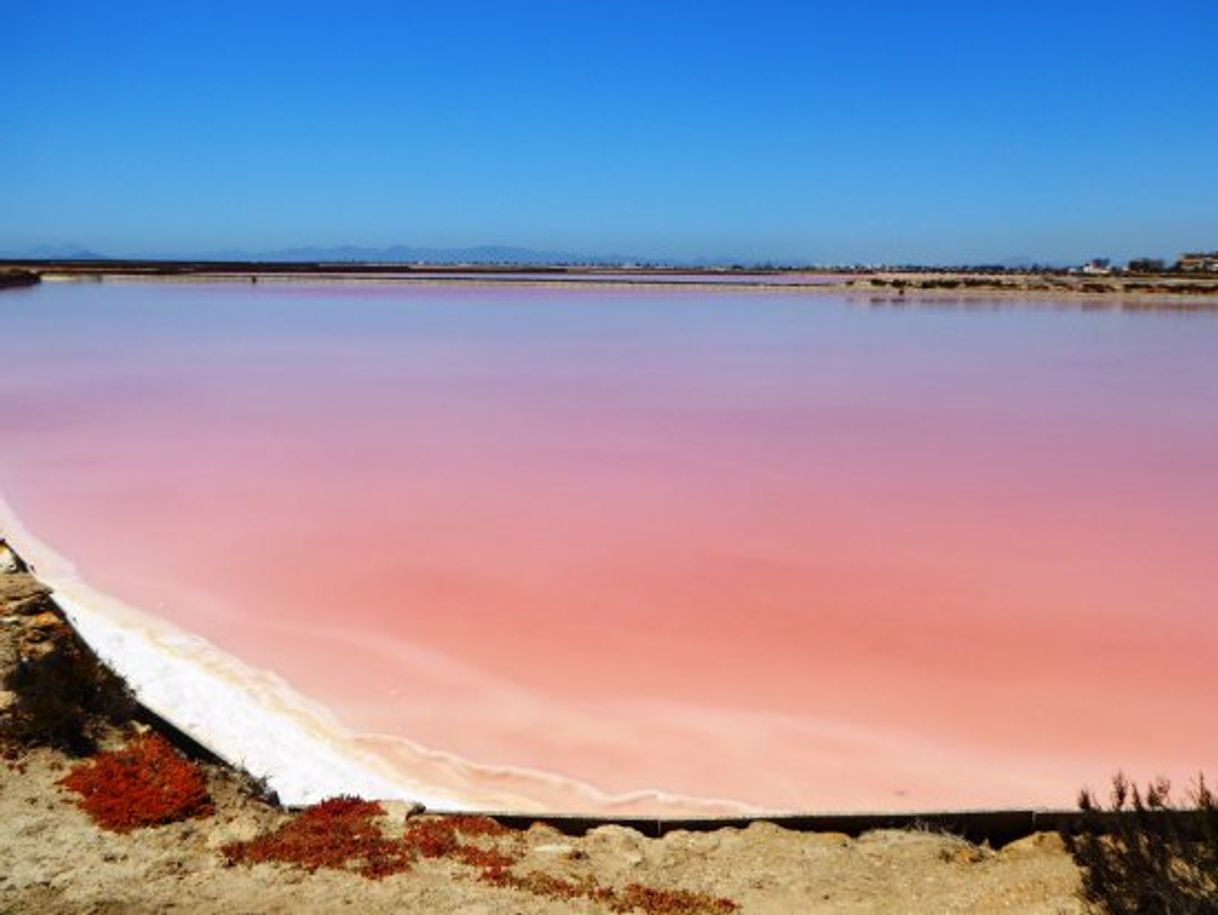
(548, 548)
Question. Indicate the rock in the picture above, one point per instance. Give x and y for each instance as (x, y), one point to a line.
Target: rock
(9, 562)
(556, 848)
(45, 620)
(618, 841)
(18, 588)
(966, 854)
(32, 650)
(402, 810)
(1039, 843)
(542, 833)
(34, 605)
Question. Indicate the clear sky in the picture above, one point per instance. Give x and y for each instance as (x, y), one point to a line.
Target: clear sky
(831, 132)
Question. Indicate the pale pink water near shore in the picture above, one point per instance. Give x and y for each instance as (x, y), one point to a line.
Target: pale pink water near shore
(782, 549)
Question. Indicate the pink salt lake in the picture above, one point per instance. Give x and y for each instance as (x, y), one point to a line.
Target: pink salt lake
(784, 550)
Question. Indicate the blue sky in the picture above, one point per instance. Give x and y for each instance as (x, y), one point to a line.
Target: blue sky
(843, 132)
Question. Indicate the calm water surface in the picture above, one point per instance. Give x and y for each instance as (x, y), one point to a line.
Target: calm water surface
(784, 549)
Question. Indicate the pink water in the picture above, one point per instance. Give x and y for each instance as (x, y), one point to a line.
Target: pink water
(780, 549)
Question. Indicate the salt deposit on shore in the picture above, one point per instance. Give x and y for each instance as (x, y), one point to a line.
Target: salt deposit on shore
(249, 718)
(254, 720)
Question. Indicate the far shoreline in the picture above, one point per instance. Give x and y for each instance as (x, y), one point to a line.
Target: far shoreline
(1136, 291)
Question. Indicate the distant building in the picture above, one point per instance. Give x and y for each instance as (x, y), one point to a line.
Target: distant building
(1198, 262)
(1098, 266)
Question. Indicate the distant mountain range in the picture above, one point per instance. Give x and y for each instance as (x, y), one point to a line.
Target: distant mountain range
(60, 252)
(395, 254)
(412, 254)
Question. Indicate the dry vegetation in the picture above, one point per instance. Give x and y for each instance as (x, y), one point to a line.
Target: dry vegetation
(145, 783)
(59, 694)
(341, 833)
(347, 834)
(1144, 855)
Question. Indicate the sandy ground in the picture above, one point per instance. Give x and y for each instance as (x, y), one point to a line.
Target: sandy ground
(53, 858)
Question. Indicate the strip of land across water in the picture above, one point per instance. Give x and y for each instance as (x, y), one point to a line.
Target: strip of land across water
(1194, 289)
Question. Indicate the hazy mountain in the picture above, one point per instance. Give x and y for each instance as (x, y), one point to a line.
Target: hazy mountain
(65, 251)
(395, 254)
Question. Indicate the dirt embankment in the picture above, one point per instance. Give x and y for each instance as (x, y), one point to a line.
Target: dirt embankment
(85, 771)
(1130, 290)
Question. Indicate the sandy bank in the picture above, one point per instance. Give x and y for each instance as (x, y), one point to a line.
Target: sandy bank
(53, 859)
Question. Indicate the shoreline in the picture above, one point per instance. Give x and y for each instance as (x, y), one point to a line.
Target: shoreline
(1168, 291)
